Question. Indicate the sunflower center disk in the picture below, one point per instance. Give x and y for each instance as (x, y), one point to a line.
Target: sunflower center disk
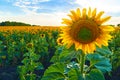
(85, 34)
(85, 31)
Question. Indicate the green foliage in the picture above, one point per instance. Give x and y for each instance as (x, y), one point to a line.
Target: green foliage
(94, 74)
(63, 55)
(16, 49)
(71, 69)
(55, 72)
(33, 52)
(115, 48)
(100, 59)
(30, 64)
(100, 62)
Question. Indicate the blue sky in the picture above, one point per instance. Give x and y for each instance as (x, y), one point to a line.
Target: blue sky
(50, 12)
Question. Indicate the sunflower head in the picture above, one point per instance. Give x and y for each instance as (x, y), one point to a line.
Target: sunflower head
(42, 35)
(30, 45)
(85, 30)
(59, 41)
(50, 34)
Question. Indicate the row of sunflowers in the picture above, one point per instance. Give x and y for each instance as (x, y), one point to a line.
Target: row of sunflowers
(84, 49)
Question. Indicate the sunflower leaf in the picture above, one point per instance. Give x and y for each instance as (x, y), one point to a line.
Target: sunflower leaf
(94, 74)
(104, 50)
(100, 62)
(74, 75)
(63, 55)
(54, 72)
(104, 65)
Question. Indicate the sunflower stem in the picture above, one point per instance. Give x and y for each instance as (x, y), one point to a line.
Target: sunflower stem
(82, 62)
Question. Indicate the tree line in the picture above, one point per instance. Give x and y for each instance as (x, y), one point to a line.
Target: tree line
(8, 23)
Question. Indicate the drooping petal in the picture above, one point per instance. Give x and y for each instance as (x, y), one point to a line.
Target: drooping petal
(92, 47)
(70, 44)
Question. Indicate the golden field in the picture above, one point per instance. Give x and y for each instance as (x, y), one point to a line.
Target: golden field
(27, 28)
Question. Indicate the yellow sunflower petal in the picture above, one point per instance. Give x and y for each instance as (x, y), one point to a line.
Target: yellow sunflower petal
(72, 17)
(66, 21)
(83, 48)
(78, 12)
(70, 44)
(78, 45)
(105, 43)
(94, 13)
(107, 28)
(104, 19)
(87, 48)
(98, 41)
(89, 12)
(75, 15)
(92, 47)
(84, 13)
(98, 16)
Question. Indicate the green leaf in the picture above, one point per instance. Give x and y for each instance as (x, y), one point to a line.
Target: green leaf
(39, 66)
(54, 72)
(100, 62)
(94, 74)
(74, 75)
(26, 54)
(104, 65)
(71, 65)
(67, 56)
(94, 58)
(104, 50)
(35, 57)
(26, 60)
(59, 49)
(63, 55)
(54, 76)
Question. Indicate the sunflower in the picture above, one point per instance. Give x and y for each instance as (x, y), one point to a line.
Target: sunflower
(30, 45)
(85, 30)
(42, 35)
(59, 41)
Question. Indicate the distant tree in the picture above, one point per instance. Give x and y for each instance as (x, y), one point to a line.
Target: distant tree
(8, 23)
(118, 25)
(112, 25)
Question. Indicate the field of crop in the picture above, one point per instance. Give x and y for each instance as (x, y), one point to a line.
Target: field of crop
(33, 53)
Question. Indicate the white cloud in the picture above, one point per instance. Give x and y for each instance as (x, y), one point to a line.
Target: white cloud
(109, 6)
(36, 1)
(29, 6)
(46, 19)
(114, 20)
(37, 19)
(54, 19)
(106, 5)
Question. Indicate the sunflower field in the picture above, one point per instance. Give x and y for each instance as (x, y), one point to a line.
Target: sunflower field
(38, 54)
(84, 49)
